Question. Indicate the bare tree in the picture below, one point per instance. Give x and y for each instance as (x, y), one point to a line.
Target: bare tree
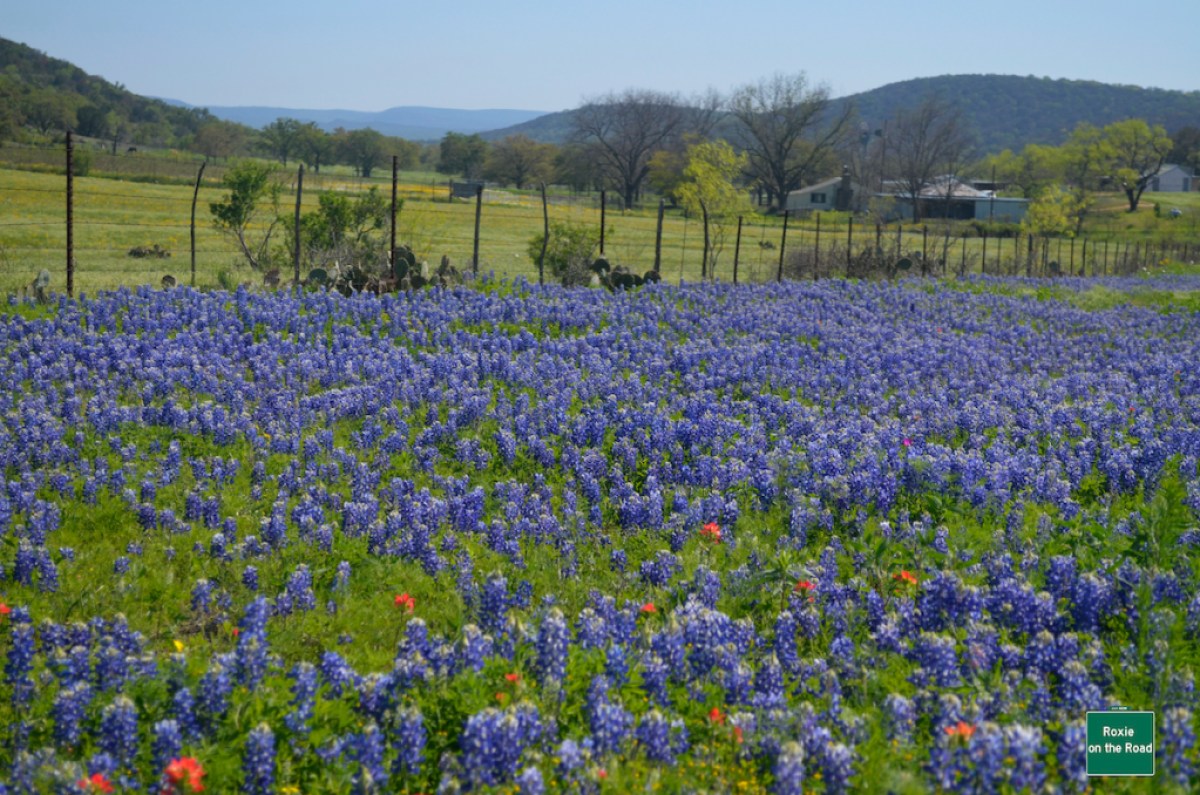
(627, 129)
(704, 112)
(924, 143)
(787, 128)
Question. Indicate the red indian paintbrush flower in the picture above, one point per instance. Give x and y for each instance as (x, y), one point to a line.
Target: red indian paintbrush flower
(184, 775)
(712, 531)
(95, 783)
(405, 601)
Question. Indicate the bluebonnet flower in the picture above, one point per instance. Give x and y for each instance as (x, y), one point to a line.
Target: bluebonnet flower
(837, 767)
(899, 717)
(367, 752)
(300, 589)
(304, 691)
(530, 782)
(213, 696)
(1072, 756)
(166, 744)
(1025, 748)
(251, 653)
(553, 639)
(119, 731)
(409, 741)
(654, 736)
(19, 663)
(789, 770)
(1177, 745)
(183, 709)
(258, 761)
(69, 712)
(24, 562)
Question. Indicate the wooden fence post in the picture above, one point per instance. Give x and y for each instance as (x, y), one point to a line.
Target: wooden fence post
(782, 247)
(603, 209)
(392, 237)
(478, 213)
(849, 243)
(195, 196)
(658, 239)
(817, 247)
(296, 236)
(545, 238)
(737, 249)
(704, 262)
(70, 216)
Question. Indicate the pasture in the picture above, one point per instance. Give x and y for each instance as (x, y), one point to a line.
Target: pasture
(113, 216)
(812, 537)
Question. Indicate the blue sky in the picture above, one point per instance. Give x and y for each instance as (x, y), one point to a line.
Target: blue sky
(542, 55)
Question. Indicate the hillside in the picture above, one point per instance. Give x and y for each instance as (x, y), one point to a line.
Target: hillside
(416, 123)
(1004, 111)
(52, 94)
(1007, 112)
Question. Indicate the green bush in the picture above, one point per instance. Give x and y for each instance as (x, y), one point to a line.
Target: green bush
(569, 252)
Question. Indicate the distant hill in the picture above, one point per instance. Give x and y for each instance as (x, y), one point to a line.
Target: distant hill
(34, 85)
(413, 122)
(53, 94)
(1007, 112)
(1004, 111)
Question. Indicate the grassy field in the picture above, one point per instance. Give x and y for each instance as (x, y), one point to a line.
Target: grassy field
(114, 215)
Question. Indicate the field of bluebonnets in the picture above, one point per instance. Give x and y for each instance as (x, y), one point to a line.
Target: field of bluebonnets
(823, 537)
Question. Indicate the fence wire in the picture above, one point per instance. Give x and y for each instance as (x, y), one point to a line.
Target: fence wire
(114, 217)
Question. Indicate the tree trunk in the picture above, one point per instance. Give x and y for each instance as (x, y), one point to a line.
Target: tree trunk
(1134, 195)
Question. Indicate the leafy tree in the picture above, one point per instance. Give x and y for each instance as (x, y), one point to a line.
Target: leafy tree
(1186, 151)
(281, 138)
(1138, 152)
(625, 130)
(219, 139)
(1084, 158)
(578, 165)
(92, 121)
(343, 229)
(569, 251)
(11, 116)
(519, 160)
(1055, 211)
(1027, 173)
(408, 153)
(462, 154)
(666, 173)
(362, 149)
(249, 212)
(314, 146)
(708, 189)
(47, 110)
(787, 128)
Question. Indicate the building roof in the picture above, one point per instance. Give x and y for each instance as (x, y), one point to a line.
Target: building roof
(823, 185)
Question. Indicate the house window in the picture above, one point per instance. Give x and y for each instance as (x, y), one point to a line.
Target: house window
(818, 198)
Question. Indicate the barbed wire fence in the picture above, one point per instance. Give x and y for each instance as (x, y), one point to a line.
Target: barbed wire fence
(134, 228)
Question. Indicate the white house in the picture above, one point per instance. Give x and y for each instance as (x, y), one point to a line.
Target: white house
(1172, 179)
(821, 196)
(835, 193)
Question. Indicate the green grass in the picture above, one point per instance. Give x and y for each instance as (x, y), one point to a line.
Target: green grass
(114, 215)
